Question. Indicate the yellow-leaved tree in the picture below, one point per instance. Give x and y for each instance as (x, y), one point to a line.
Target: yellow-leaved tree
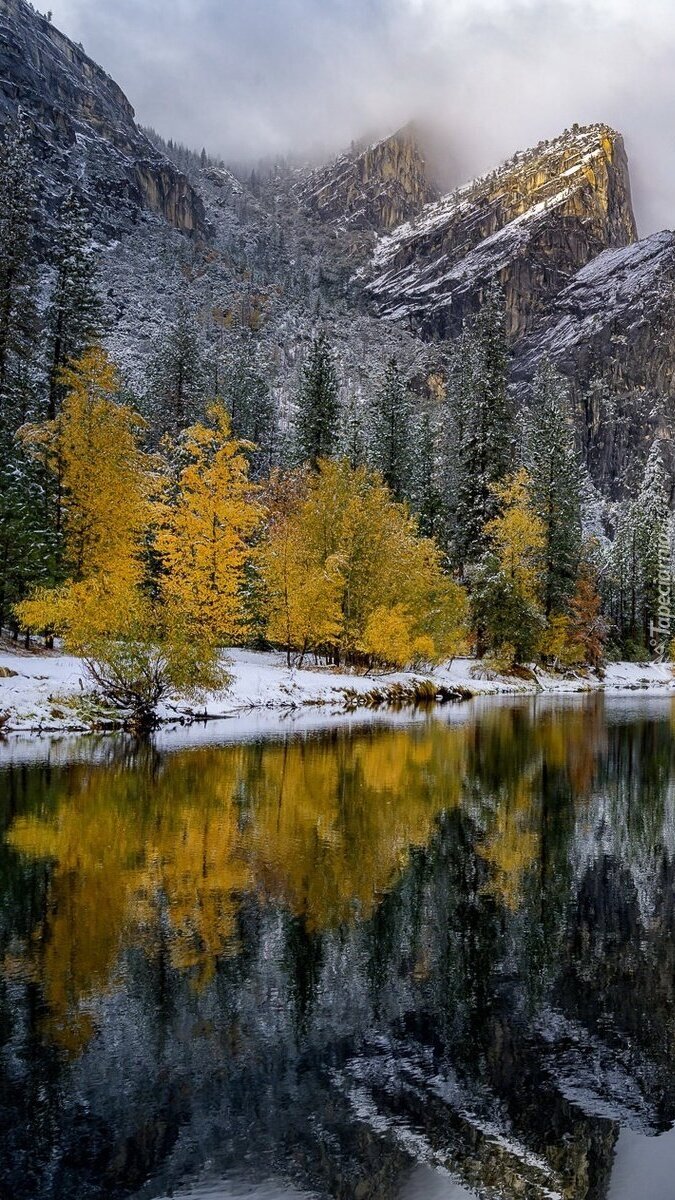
(348, 577)
(92, 448)
(206, 517)
(135, 650)
(506, 596)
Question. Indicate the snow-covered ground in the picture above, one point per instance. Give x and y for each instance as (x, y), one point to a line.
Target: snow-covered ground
(44, 692)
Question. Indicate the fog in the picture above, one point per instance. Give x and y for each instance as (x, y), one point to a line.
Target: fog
(305, 77)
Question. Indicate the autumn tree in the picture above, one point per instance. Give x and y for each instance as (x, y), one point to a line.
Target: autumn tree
(588, 626)
(369, 569)
(507, 587)
(206, 517)
(136, 651)
(302, 591)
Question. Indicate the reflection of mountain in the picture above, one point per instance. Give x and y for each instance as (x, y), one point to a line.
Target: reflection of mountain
(329, 958)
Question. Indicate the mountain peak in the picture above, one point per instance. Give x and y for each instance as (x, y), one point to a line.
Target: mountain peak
(375, 186)
(531, 223)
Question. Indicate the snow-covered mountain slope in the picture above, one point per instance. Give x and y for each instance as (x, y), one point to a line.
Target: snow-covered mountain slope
(373, 188)
(613, 309)
(84, 128)
(531, 224)
(611, 331)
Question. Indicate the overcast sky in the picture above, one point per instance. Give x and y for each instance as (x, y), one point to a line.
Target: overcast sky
(248, 78)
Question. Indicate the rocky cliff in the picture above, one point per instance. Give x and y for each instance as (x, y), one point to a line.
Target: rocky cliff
(531, 224)
(84, 128)
(375, 188)
(611, 331)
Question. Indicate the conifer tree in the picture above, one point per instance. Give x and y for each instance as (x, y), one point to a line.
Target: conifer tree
(555, 474)
(318, 415)
(74, 313)
(355, 430)
(426, 497)
(18, 276)
(391, 423)
(177, 378)
(250, 403)
(642, 542)
(482, 411)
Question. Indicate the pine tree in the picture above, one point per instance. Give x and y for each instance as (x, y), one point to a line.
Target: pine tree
(391, 423)
(250, 403)
(652, 524)
(318, 415)
(177, 381)
(355, 431)
(482, 411)
(18, 276)
(556, 482)
(74, 313)
(640, 553)
(426, 497)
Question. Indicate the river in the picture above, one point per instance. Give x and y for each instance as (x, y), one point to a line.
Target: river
(427, 957)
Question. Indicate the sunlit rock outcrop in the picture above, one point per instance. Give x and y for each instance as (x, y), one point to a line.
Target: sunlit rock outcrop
(373, 188)
(530, 224)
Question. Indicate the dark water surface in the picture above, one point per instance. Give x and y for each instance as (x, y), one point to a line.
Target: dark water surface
(431, 960)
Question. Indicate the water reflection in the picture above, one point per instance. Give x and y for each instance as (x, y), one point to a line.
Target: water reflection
(426, 960)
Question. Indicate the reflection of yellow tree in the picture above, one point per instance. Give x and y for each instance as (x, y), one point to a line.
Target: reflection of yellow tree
(124, 847)
(323, 826)
(513, 843)
(335, 821)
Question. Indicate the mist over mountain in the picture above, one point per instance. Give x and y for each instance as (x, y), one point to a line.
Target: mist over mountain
(307, 77)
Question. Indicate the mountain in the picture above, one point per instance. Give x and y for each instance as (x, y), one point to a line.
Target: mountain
(84, 128)
(373, 188)
(611, 332)
(363, 245)
(530, 224)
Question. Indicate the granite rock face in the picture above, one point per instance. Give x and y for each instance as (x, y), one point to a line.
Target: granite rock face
(375, 188)
(611, 331)
(84, 128)
(531, 224)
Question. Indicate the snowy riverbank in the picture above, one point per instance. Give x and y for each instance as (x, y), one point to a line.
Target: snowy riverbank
(47, 692)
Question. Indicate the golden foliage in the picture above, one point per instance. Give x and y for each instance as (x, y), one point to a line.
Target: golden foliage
(205, 520)
(341, 551)
(104, 482)
(518, 536)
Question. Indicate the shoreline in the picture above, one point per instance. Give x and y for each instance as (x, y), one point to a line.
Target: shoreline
(47, 693)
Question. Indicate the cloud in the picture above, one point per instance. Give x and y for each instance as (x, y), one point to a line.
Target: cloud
(278, 76)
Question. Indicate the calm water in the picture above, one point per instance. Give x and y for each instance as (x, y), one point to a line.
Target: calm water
(431, 960)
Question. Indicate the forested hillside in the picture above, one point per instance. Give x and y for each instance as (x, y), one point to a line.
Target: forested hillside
(252, 408)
